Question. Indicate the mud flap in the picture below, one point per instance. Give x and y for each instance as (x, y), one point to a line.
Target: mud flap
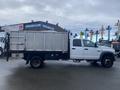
(7, 47)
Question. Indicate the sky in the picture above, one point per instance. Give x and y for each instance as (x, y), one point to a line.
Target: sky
(70, 14)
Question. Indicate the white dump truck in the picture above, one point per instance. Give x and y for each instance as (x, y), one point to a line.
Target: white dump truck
(38, 46)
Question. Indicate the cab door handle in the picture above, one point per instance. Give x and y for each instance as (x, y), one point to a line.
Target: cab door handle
(73, 48)
(98, 50)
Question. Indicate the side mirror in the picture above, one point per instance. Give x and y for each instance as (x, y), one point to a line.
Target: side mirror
(96, 45)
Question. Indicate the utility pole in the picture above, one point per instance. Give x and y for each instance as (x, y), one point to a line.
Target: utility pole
(109, 29)
(102, 32)
(97, 32)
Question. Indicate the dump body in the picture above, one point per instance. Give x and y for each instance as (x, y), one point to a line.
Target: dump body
(38, 41)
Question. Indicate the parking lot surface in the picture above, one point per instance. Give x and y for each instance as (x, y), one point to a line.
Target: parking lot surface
(58, 75)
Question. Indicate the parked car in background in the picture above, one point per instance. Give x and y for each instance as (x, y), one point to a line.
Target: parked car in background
(2, 42)
(116, 46)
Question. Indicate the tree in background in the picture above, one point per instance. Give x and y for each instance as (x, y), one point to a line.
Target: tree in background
(81, 35)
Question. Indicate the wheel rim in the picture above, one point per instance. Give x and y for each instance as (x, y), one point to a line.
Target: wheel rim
(108, 62)
(36, 63)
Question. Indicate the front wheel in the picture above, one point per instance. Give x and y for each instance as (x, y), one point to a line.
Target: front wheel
(107, 61)
(36, 62)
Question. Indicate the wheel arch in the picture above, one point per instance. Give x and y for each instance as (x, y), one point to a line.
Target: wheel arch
(107, 54)
(28, 56)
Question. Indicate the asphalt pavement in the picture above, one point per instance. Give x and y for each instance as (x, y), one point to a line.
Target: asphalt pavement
(58, 75)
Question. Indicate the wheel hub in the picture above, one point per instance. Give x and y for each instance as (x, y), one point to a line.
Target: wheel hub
(107, 62)
(36, 63)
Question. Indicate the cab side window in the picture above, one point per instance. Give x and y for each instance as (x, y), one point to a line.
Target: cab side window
(77, 43)
(88, 43)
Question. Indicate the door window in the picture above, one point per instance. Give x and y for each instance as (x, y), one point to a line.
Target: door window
(88, 43)
(77, 43)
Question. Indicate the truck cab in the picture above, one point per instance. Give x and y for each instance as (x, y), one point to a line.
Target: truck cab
(81, 49)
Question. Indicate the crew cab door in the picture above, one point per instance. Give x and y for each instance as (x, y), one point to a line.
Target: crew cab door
(91, 51)
(76, 49)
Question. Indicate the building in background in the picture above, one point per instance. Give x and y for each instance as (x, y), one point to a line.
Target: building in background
(15, 27)
(38, 25)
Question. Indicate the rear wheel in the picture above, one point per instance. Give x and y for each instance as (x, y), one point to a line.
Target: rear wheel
(107, 61)
(36, 62)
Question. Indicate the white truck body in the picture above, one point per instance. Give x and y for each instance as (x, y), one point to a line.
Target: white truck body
(57, 45)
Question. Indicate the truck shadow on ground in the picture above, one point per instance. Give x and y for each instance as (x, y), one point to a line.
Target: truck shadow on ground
(57, 76)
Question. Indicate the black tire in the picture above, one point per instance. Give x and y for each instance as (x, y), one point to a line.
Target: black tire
(1, 52)
(36, 63)
(107, 61)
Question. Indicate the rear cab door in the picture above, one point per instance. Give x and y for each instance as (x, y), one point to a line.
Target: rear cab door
(76, 49)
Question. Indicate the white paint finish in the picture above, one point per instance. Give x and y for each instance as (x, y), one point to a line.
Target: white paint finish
(81, 53)
(39, 41)
(92, 53)
(90, 50)
(17, 41)
(76, 52)
(53, 41)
